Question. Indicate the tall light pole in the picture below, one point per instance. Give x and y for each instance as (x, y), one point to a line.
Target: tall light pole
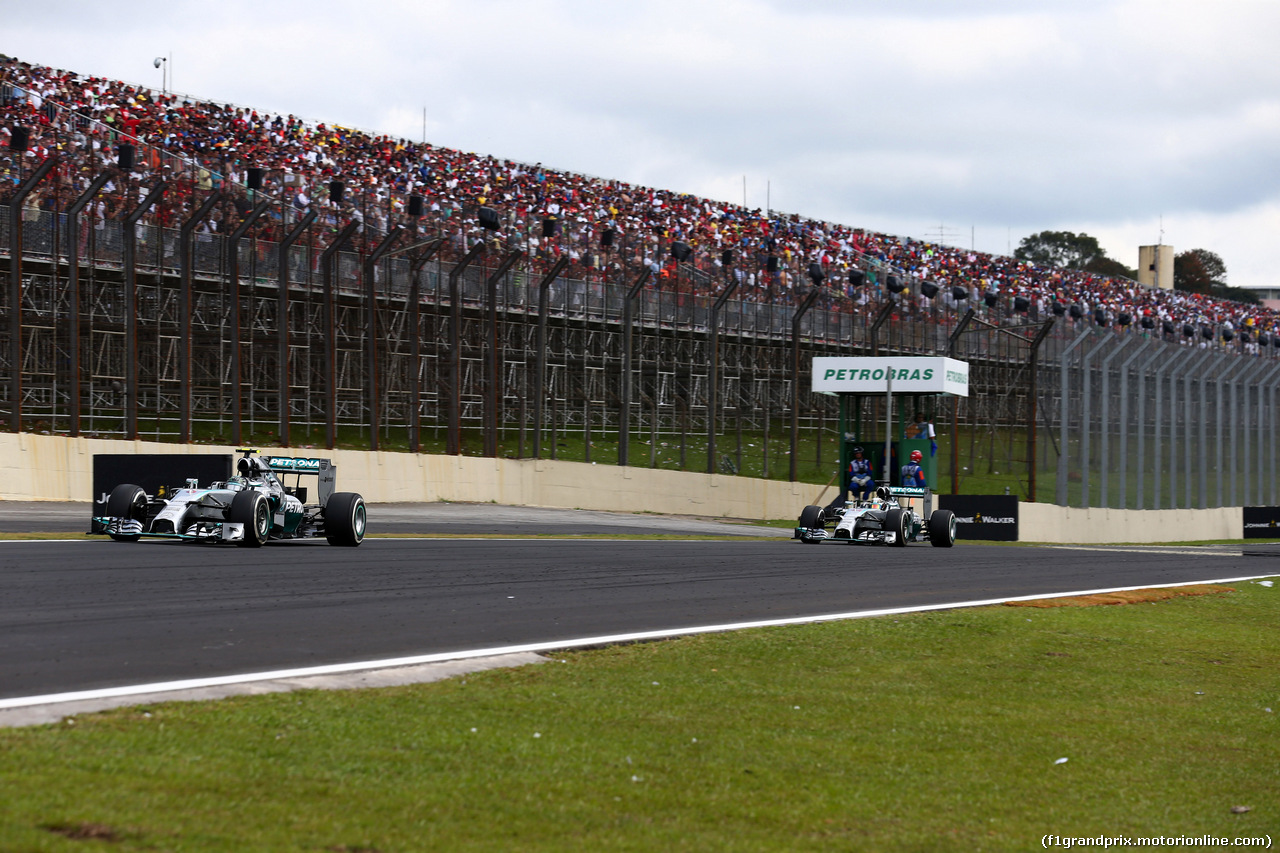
(162, 63)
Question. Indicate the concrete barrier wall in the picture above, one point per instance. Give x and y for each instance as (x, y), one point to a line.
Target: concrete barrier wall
(1049, 523)
(40, 467)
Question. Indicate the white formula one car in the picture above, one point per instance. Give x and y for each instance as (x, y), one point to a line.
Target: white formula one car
(883, 520)
(248, 509)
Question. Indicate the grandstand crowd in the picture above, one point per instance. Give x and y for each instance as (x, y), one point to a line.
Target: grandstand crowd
(603, 226)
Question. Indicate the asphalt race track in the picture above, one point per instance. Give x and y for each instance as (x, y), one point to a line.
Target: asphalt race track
(78, 615)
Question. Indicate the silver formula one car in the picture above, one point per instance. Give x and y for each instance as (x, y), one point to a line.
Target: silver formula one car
(248, 509)
(884, 520)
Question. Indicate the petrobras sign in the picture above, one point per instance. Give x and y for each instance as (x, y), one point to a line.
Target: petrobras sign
(873, 374)
(298, 465)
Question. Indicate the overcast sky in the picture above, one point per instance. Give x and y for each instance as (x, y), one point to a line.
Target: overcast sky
(972, 122)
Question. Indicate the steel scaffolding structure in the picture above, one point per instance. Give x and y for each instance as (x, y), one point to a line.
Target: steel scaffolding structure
(146, 327)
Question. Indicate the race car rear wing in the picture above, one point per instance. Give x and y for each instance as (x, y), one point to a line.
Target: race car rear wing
(908, 491)
(914, 492)
(325, 470)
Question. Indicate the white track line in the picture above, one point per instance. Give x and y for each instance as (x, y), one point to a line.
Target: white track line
(604, 640)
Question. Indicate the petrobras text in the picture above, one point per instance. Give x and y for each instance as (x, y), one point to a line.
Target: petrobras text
(907, 375)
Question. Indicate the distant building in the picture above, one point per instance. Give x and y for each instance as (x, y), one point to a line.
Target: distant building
(1155, 266)
(1270, 295)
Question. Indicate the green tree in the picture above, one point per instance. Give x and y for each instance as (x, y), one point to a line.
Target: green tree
(1111, 267)
(1066, 249)
(1199, 271)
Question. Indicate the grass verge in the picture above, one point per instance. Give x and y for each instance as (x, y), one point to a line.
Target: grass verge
(930, 731)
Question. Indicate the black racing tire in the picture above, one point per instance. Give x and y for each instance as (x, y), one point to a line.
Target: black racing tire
(813, 518)
(127, 501)
(897, 521)
(253, 510)
(345, 518)
(942, 528)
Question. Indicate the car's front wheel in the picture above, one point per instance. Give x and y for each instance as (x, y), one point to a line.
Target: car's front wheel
(344, 519)
(253, 511)
(813, 518)
(127, 502)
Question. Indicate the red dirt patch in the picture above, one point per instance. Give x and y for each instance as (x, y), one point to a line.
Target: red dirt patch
(85, 831)
(1133, 596)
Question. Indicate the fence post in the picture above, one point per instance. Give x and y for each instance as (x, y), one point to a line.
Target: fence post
(1169, 365)
(372, 374)
(1141, 484)
(1086, 418)
(1267, 428)
(16, 250)
(1106, 421)
(1033, 361)
(130, 229)
(1240, 427)
(795, 377)
(454, 447)
(1123, 468)
(1064, 418)
(952, 345)
(328, 260)
(186, 276)
(415, 341)
(232, 248)
(1256, 459)
(628, 376)
(884, 315)
(491, 391)
(1223, 379)
(282, 321)
(1188, 476)
(713, 393)
(541, 368)
(1204, 430)
(73, 309)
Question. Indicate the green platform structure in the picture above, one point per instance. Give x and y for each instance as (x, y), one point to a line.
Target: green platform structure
(879, 396)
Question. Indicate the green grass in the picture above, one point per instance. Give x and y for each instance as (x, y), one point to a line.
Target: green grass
(920, 732)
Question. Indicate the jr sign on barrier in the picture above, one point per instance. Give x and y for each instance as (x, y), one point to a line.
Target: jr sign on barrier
(153, 472)
(873, 375)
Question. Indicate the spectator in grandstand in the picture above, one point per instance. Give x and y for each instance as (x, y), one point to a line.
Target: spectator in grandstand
(921, 428)
(200, 146)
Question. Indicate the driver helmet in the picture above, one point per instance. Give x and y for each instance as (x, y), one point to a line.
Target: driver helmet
(916, 456)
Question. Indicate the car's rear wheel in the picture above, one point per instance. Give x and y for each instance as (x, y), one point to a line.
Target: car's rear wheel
(897, 522)
(253, 511)
(129, 502)
(942, 528)
(344, 519)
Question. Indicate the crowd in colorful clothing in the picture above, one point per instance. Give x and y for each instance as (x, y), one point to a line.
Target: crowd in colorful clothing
(600, 225)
